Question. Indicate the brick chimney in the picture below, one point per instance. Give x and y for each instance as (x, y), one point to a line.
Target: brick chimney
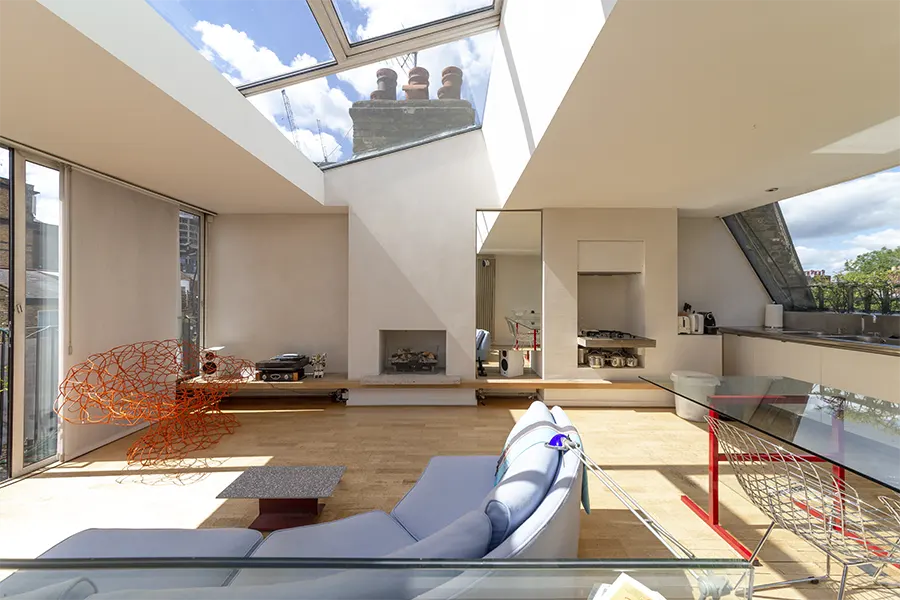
(383, 122)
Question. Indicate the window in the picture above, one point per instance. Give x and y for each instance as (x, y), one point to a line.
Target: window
(315, 68)
(190, 233)
(249, 40)
(834, 249)
(5, 332)
(367, 19)
(42, 212)
(376, 108)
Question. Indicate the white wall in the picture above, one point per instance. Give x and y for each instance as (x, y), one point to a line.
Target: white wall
(124, 281)
(609, 302)
(539, 51)
(278, 283)
(517, 287)
(865, 373)
(714, 275)
(411, 250)
(125, 28)
(563, 229)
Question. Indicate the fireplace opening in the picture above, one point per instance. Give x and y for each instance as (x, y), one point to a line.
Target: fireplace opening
(418, 351)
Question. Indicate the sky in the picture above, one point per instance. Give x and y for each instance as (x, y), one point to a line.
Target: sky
(838, 223)
(46, 186)
(249, 40)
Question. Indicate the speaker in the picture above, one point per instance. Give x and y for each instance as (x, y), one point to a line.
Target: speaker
(512, 363)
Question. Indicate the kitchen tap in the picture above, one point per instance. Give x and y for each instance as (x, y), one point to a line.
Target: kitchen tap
(862, 321)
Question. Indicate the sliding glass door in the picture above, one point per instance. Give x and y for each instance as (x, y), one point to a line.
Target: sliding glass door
(5, 315)
(30, 205)
(41, 312)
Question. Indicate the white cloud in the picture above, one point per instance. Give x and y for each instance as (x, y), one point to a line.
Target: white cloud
(832, 259)
(388, 16)
(472, 55)
(314, 103)
(321, 112)
(844, 209)
(887, 238)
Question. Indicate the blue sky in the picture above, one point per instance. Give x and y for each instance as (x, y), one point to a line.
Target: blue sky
(248, 40)
(837, 223)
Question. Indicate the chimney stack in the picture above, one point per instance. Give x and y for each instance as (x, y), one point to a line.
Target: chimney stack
(387, 85)
(451, 78)
(383, 122)
(417, 89)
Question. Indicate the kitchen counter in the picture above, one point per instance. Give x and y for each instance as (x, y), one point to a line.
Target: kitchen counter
(812, 339)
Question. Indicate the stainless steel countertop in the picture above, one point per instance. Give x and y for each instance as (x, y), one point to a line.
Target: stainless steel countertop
(788, 335)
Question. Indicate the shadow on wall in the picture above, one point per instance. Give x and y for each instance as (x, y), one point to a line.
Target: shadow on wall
(385, 297)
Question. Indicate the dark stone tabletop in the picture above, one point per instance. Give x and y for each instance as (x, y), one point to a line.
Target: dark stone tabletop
(284, 482)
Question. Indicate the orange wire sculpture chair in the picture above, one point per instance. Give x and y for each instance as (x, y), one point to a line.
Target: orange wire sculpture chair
(139, 383)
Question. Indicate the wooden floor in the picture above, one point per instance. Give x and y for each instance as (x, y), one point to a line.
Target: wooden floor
(651, 453)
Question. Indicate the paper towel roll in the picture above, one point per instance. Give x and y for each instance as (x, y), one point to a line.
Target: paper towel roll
(774, 316)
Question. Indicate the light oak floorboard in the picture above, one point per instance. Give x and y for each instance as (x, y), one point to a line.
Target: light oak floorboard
(652, 453)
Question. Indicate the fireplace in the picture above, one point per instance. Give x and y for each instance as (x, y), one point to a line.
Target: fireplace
(422, 351)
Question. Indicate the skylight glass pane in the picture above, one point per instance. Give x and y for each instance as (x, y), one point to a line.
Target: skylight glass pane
(249, 40)
(344, 116)
(367, 19)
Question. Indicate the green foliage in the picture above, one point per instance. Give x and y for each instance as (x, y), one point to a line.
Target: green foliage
(873, 268)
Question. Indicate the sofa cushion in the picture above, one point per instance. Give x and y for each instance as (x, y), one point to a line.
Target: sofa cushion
(529, 471)
(449, 487)
(466, 537)
(367, 535)
(536, 413)
(566, 426)
(138, 543)
(78, 588)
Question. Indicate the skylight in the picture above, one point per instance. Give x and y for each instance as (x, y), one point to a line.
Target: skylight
(249, 40)
(311, 67)
(368, 19)
(366, 111)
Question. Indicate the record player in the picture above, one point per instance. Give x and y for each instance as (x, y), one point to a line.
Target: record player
(284, 367)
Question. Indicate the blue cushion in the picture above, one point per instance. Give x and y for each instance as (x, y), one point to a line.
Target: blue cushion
(449, 487)
(140, 543)
(466, 537)
(529, 471)
(367, 535)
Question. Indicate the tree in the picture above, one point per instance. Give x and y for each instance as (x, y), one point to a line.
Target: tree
(872, 267)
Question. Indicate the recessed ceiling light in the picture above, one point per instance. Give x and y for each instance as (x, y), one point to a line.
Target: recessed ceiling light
(772, 190)
(879, 139)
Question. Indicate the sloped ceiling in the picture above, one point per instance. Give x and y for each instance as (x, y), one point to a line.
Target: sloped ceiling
(703, 105)
(64, 94)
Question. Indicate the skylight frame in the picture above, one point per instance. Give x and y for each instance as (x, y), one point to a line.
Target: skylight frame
(347, 55)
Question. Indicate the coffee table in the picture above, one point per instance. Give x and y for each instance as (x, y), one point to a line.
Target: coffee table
(288, 496)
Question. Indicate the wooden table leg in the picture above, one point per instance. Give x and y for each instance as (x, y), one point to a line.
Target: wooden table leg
(282, 513)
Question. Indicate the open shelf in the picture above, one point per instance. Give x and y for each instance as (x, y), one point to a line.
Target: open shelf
(634, 342)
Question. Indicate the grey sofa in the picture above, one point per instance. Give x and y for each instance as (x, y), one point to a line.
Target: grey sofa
(455, 510)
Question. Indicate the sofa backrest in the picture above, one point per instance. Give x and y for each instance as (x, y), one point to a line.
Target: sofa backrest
(550, 532)
(552, 529)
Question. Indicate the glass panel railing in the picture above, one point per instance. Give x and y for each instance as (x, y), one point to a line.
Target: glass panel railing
(213, 578)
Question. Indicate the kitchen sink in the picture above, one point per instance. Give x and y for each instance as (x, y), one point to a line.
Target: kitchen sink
(867, 339)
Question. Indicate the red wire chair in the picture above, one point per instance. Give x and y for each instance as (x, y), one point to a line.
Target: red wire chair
(139, 383)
